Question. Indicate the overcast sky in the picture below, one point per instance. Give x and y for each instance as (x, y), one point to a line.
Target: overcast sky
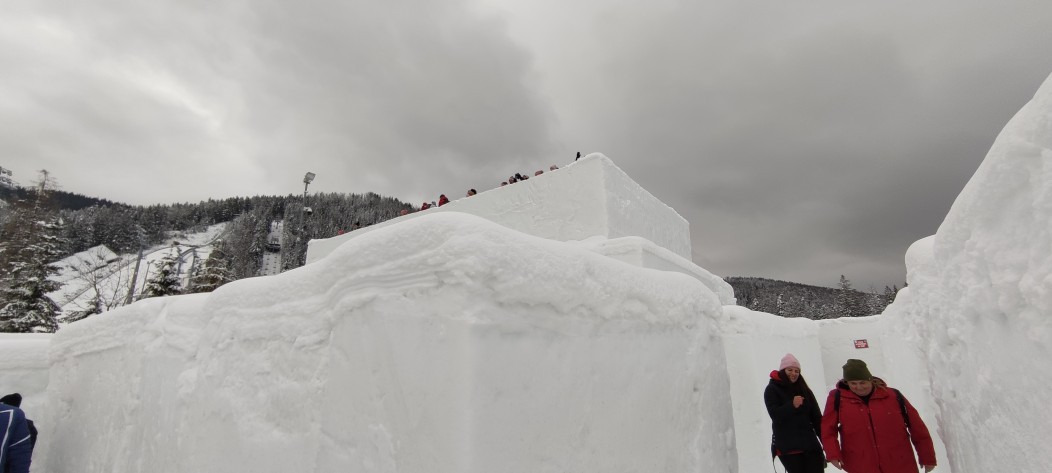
(801, 139)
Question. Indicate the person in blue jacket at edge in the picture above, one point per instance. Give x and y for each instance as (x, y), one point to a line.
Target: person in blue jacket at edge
(15, 447)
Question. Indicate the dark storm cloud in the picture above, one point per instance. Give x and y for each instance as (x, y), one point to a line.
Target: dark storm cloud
(808, 141)
(243, 98)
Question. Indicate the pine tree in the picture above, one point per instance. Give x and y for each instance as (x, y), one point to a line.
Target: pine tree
(213, 273)
(95, 306)
(165, 282)
(30, 246)
(890, 293)
(844, 304)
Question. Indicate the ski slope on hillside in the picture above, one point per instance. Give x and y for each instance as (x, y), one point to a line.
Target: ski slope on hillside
(101, 269)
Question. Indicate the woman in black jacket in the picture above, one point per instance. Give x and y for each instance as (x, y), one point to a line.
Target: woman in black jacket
(796, 419)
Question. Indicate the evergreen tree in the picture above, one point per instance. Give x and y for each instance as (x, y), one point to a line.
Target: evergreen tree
(875, 303)
(890, 293)
(165, 282)
(243, 244)
(213, 273)
(845, 303)
(29, 247)
(95, 306)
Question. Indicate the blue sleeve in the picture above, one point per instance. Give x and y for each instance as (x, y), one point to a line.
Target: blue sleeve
(20, 449)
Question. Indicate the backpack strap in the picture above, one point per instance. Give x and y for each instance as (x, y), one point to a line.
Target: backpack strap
(902, 408)
(836, 407)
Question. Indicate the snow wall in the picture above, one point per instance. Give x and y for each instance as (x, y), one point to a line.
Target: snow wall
(979, 303)
(444, 344)
(24, 370)
(587, 198)
(590, 202)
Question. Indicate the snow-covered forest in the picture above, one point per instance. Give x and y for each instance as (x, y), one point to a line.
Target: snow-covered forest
(790, 299)
(50, 238)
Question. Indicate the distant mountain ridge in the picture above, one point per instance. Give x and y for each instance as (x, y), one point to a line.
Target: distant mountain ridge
(62, 200)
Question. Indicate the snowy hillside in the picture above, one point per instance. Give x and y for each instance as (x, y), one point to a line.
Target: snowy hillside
(99, 272)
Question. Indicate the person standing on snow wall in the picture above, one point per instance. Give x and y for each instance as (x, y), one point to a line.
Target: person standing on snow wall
(796, 419)
(875, 425)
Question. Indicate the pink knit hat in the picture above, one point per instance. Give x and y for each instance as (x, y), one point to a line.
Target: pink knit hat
(789, 360)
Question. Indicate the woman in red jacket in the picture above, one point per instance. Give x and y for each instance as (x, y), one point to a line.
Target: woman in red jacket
(875, 426)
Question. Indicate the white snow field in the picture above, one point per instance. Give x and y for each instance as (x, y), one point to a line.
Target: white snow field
(452, 342)
(24, 370)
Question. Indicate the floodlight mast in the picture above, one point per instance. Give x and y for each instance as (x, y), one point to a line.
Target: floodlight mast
(307, 178)
(306, 182)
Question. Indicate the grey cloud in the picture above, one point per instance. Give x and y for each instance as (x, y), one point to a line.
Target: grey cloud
(813, 140)
(399, 96)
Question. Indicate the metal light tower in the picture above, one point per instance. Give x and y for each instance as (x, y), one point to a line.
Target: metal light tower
(306, 182)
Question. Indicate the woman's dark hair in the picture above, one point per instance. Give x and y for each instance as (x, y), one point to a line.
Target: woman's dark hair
(798, 388)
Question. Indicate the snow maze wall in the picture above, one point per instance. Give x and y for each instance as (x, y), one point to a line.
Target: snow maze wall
(447, 344)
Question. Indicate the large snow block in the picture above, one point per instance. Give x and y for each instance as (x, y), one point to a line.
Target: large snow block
(119, 383)
(980, 295)
(447, 344)
(645, 254)
(588, 198)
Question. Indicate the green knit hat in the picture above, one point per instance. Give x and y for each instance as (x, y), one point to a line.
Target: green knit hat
(856, 370)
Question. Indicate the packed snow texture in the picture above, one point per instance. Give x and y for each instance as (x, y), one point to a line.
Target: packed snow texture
(24, 370)
(979, 303)
(587, 198)
(645, 254)
(444, 344)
